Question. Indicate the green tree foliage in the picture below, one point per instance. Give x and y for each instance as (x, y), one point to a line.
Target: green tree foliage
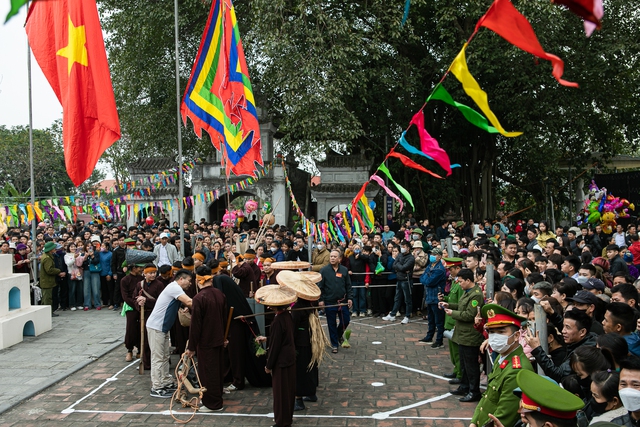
(345, 72)
(50, 174)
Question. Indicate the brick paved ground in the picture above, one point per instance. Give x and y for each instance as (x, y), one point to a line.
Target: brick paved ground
(412, 393)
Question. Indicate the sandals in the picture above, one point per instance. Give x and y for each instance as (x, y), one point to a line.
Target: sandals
(334, 350)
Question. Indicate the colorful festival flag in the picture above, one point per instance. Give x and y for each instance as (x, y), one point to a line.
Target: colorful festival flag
(472, 88)
(591, 11)
(472, 116)
(429, 145)
(15, 8)
(219, 97)
(382, 168)
(66, 40)
(504, 19)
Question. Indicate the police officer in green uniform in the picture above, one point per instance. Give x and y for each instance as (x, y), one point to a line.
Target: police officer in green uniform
(503, 327)
(466, 336)
(454, 265)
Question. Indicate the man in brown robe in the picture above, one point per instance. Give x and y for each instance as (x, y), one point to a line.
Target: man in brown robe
(206, 339)
(127, 290)
(147, 292)
(244, 273)
(281, 363)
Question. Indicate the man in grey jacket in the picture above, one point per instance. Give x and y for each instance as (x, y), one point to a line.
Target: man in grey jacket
(166, 253)
(403, 266)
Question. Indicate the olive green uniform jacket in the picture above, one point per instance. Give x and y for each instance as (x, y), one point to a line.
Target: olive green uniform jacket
(499, 399)
(464, 313)
(453, 298)
(48, 272)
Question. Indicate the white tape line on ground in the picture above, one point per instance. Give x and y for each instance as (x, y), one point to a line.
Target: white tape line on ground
(95, 390)
(385, 415)
(411, 369)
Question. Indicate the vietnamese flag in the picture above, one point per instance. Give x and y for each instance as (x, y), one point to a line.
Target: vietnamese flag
(66, 40)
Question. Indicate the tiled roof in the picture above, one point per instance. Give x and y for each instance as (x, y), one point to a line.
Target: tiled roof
(152, 165)
(342, 188)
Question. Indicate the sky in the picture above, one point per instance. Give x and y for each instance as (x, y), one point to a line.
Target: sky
(14, 87)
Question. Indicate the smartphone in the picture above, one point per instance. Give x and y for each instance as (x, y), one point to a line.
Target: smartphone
(489, 423)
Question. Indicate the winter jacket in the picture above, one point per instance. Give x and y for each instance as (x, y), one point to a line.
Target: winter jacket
(403, 266)
(434, 280)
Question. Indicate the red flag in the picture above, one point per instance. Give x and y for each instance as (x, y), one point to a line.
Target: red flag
(411, 164)
(66, 40)
(504, 19)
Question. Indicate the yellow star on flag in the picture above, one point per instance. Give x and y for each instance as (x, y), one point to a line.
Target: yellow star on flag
(76, 50)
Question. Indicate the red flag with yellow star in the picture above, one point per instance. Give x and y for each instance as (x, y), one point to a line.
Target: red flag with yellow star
(66, 40)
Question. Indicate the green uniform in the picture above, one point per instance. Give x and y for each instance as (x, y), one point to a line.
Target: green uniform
(449, 323)
(499, 398)
(464, 313)
(48, 273)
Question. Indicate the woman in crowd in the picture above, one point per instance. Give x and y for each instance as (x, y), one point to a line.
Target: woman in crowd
(106, 282)
(74, 259)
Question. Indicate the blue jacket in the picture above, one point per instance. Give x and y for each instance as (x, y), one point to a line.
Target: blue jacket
(633, 341)
(105, 263)
(434, 280)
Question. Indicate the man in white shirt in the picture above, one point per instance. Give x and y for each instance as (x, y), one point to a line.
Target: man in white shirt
(158, 325)
(166, 253)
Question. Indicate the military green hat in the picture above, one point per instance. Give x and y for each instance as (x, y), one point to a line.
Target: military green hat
(494, 240)
(417, 230)
(498, 316)
(545, 397)
(129, 242)
(49, 246)
(452, 262)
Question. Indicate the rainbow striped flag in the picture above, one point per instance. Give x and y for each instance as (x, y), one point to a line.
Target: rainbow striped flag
(219, 98)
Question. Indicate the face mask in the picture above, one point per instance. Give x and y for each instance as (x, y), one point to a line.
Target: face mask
(499, 342)
(357, 251)
(536, 299)
(252, 246)
(630, 398)
(598, 407)
(432, 258)
(415, 237)
(274, 249)
(320, 247)
(582, 280)
(403, 250)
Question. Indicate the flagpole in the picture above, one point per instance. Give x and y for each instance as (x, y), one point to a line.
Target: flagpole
(180, 185)
(34, 266)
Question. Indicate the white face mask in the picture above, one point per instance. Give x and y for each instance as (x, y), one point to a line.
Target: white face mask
(630, 398)
(403, 250)
(320, 247)
(500, 343)
(536, 299)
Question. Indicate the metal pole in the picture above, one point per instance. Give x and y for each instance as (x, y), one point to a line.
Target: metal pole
(450, 247)
(490, 286)
(34, 267)
(553, 215)
(541, 330)
(180, 179)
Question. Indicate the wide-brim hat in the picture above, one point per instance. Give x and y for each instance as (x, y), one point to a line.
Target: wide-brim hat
(314, 276)
(303, 287)
(49, 246)
(290, 265)
(135, 256)
(275, 295)
(417, 230)
(416, 245)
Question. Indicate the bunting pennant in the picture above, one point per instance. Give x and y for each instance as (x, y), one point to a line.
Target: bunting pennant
(410, 163)
(504, 19)
(381, 183)
(472, 116)
(405, 16)
(219, 97)
(591, 11)
(472, 88)
(429, 145)
(382, 168)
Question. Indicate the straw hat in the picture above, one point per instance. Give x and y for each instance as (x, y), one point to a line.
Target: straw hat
(303, 287)
(275, 295)
(314, 276)
(290, 265)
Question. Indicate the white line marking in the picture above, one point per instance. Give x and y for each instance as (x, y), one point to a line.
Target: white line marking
(412, 369)
(95, 390)
(385, 415)
(269, 415)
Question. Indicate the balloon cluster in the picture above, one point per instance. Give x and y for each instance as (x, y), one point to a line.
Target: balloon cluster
(602, 208)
